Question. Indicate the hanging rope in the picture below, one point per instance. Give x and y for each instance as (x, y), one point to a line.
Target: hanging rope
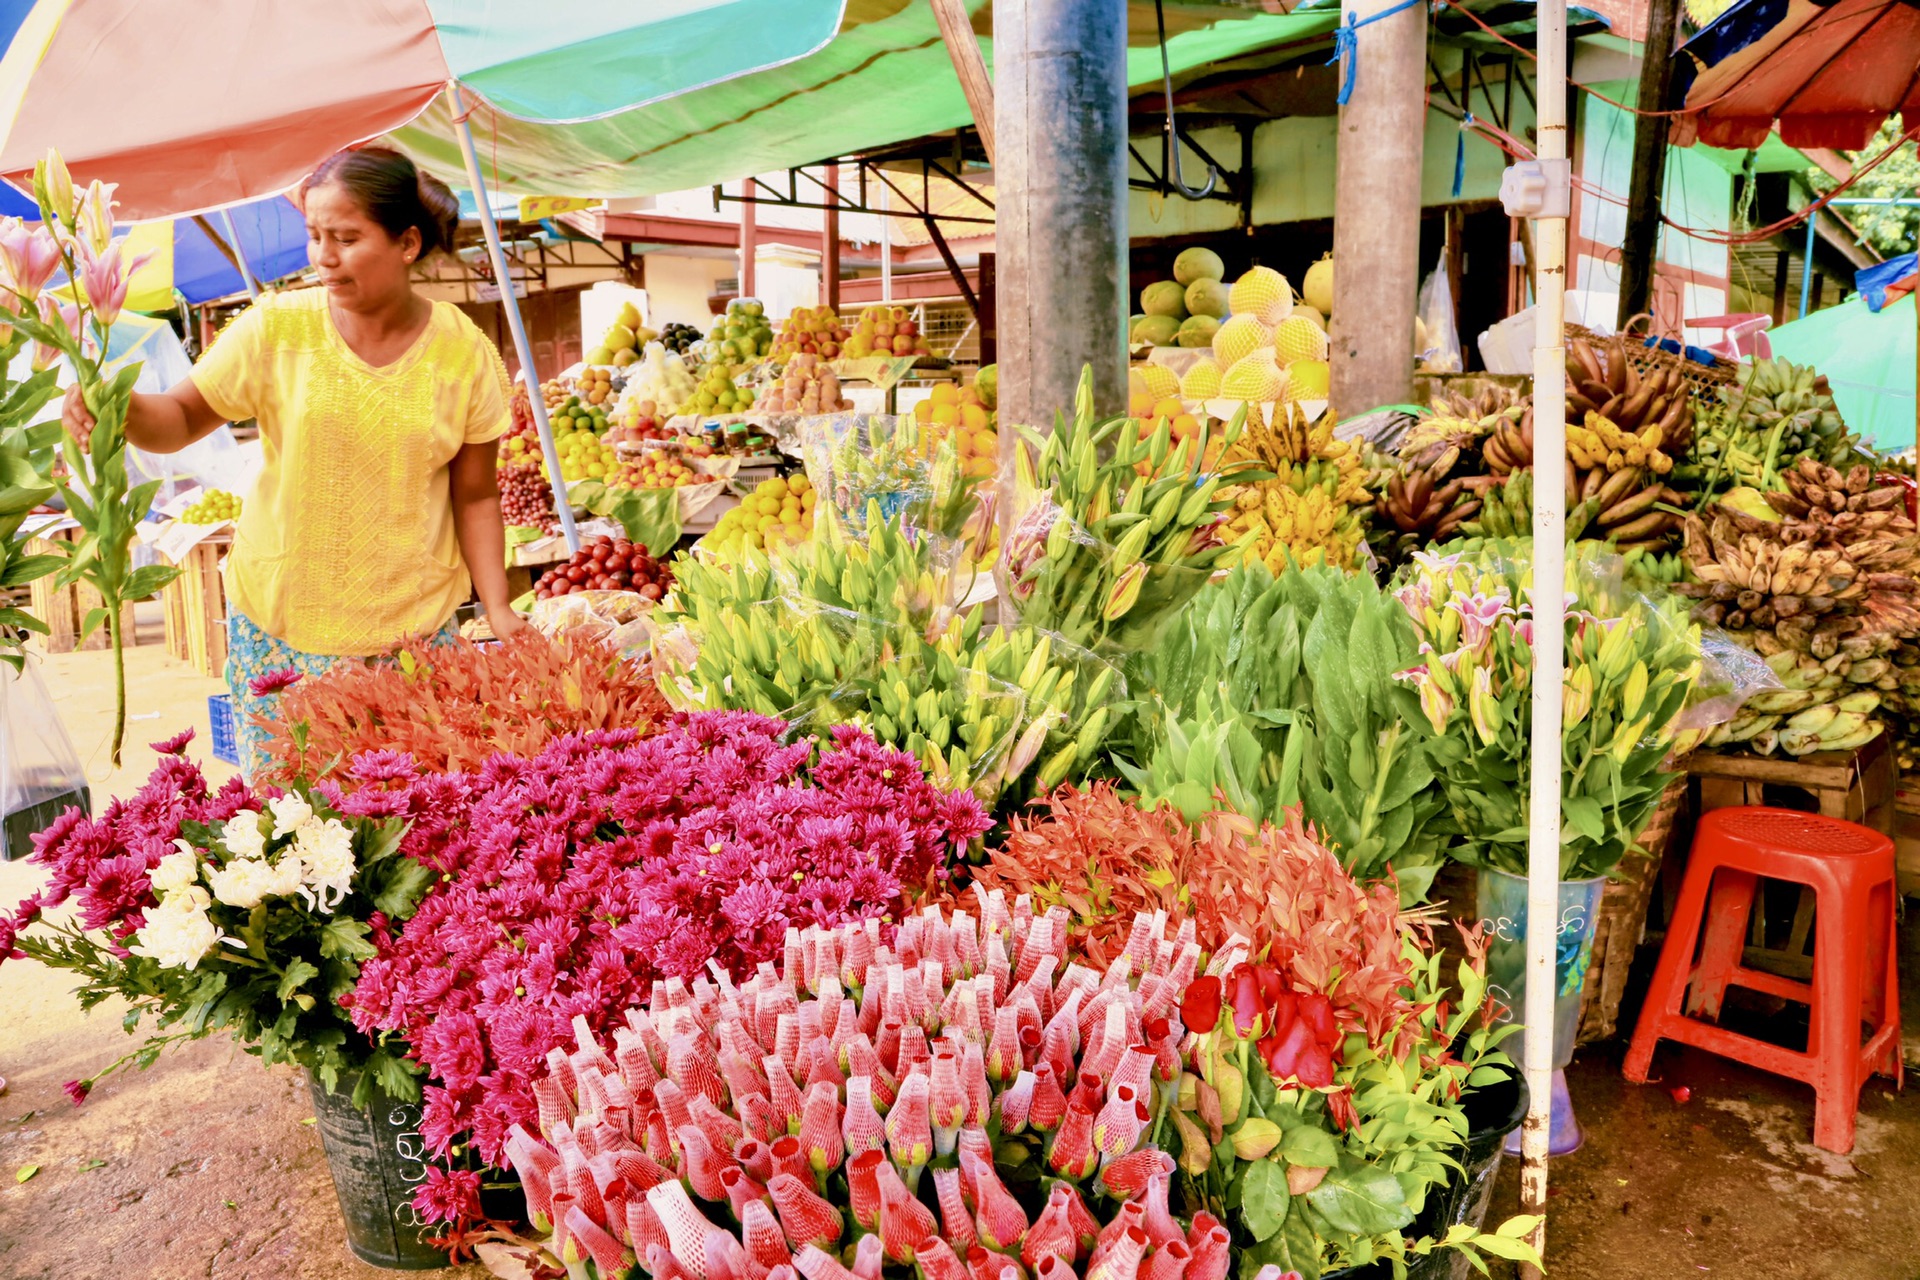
(1346, 44)
(1460, 154)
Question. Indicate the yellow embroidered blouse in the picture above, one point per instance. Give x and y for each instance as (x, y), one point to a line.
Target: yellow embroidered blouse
(347, 545)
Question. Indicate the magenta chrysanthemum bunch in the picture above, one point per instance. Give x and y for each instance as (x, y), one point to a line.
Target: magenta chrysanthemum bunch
(964, 1098)
(574, 880)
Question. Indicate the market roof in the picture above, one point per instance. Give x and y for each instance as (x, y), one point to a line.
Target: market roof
(885, 78)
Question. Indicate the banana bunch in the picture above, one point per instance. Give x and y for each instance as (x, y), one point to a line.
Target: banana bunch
(1648, 570)
(1902, 706)
(1422, 506)
(1602, 380)
(1823, 706)
(1274, 524)
(1600, 444)
(1441, 443)
(1617, 475)
(1757, 430)
(1315, 507)
(1121, 527)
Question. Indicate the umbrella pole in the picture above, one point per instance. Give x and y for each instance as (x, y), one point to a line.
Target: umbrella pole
(497, 254)
(239, 255)
(1549, 625)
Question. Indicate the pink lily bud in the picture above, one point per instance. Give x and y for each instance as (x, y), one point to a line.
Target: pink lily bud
(804, 1216)
(726, 1260)
(936, 1260)
(1210, 1254)
(580, 1184)
(863, 1187)
(722, 1130)
(788, 1105)
(1053, 1267)
(662, 1265)
(1001, 1221)
(588, 1239)
(820, 1137)
(1119, 1124)
(756, 1159)
(1049, 1103)
(1169, 1261)
(1080, 1216)
(904, 1221)
(93, 216)
(687, 1228)
(1122, 1260)
(46, 355)
(1072, 1155)
(869, 1256)
(790, 1157)
(1004, 1060)
(953, 1208)
(760, 1232)
(640, 1171)
(816, 1263)
(692, 1066)
(1051, 1233)
(909, 1125)
(1016, 1103)
(644, 1230)
(1135, 1071)
(861, 1128)
(1127, 1176)
(1160, 1227)
(1128, 1218)
(53, 188)
(28, 258)
(742, 1189)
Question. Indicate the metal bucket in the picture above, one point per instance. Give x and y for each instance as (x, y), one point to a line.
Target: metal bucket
(377, 1158)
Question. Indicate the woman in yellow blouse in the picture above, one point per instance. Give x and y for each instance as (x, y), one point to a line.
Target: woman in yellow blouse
(377, 508)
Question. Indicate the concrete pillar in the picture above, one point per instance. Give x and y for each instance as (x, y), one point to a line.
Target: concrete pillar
(1376, 210)
(1060, 170)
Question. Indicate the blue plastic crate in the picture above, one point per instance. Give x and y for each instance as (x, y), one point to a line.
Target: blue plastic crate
(226, 738)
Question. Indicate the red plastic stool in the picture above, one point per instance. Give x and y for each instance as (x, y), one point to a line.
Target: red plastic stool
(1850, 870)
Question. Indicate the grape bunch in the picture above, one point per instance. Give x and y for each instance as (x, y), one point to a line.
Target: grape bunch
(214, 506)
(526, 499)
(678, 337)
(607, 564)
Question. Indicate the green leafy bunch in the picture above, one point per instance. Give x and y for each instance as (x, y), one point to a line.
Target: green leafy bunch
(1281, 690)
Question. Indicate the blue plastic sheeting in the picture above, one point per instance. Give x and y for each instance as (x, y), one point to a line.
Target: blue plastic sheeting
(1873, 282)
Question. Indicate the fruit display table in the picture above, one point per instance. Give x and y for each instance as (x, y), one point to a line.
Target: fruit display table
(196, 607)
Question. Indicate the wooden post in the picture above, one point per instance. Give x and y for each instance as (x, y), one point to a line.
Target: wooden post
(1061, 108)
(749, 240)
(989, 339)
(1376, 201)
(1457, 273)
(1781, 261)
(830, 242)
(1640, 246)
(957, 31)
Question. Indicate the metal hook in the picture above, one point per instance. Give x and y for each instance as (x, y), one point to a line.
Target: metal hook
(1172, 168)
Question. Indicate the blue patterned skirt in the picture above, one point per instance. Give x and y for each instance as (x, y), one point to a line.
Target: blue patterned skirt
(252, 653)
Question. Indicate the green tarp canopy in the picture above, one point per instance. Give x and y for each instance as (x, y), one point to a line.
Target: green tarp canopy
(885, 78)
(1868, 359)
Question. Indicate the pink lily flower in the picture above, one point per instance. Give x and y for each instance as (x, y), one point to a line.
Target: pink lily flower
(28, 258)
(104, 276)
(45, 356)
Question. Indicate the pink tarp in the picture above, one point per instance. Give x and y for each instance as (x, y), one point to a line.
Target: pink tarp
(1829, 74)
(242, 97)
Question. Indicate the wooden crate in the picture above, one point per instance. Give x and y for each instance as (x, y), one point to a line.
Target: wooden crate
(1856, 786)
(196, 610)
(65, 609)
(1906, 834)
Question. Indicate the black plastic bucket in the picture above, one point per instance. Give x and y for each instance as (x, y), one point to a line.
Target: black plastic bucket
(377, 1157)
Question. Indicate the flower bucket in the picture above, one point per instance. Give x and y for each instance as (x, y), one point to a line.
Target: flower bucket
(377, 1157)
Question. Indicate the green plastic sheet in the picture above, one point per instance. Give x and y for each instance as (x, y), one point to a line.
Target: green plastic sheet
(1868, 359)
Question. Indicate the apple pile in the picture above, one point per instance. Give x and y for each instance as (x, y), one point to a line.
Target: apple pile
(608, 564)
(743, 335)
(885, 331)
(716, 393)
(810, 331)
(806, 385)
(659, 469)
(638, 420)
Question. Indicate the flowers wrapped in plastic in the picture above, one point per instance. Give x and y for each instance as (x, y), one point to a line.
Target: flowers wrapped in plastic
(958, 1095)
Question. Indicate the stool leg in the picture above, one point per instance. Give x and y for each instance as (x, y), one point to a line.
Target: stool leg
(1833, 1035)
(1728, 907)
(1670, 975)
(1880, 1001)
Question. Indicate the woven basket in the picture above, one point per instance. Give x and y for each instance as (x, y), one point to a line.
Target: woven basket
(1623, 918)
(1701, 379)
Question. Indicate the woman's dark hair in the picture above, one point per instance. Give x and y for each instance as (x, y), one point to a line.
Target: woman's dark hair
(394, 193)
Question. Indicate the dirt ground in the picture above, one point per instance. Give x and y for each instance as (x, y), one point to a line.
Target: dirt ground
(203, 1167)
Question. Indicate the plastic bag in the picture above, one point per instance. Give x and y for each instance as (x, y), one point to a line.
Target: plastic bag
(40, 772)
(622, 619)
(1730, 673)
(859, 462)
(1441, 351)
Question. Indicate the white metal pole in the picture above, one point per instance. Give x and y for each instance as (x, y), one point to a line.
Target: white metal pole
(497, 254)
(1549, 620)
(239, 255)
(886, 243)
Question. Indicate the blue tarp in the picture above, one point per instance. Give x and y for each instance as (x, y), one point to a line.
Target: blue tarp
(1873, 282)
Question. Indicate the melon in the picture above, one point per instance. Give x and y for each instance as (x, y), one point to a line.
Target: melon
(1198, 331)
(1306, 312)
(1298, 338)
(1137, 382)
(1133, 324)
(1157, 381)
(1207, 298)
(1164, 298)
(1262, 293)
(1237, 339)
(1202, 381)
(1317, 286)
(1309, 380)
(1255, 378)
(1198, 263)
(1156, 331)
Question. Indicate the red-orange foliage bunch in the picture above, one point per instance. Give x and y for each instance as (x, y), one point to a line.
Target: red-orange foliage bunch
(1104, 858)
(453, 706)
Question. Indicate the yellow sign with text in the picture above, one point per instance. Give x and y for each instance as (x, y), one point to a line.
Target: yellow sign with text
(534, 208)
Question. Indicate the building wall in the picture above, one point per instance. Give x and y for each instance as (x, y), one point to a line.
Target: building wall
(678, 287)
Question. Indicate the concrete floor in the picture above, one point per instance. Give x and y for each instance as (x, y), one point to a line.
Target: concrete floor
(202, 1166)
